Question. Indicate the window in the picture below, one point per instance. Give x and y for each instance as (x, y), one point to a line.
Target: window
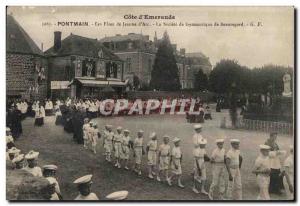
(88, 68)
(128, 62)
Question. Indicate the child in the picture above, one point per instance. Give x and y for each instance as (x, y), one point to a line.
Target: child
(288, 173)
(86, 129)
(84, 187)
(233, 161)
(164, 158)
(138, 152)
(199, 167)
(218, 170)
(108, 144)
(117, 141)
(152, 152)
(176, 159)
(49, 172)
(94, 136)
(262, 171)
(126, 148)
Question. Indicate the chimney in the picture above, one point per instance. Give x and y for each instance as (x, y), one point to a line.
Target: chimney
(57, 40)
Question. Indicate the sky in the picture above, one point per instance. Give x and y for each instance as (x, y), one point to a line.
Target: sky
(272, 42)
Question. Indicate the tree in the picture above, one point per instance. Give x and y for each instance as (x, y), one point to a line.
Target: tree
(136, 82)
(165, 74)
(201, 81)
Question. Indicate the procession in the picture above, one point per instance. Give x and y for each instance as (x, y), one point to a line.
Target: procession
(167, 112)
(124, 149)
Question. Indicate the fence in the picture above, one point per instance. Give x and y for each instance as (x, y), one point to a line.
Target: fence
(266, 126)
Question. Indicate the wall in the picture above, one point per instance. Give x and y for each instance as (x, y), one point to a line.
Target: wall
(21, 74)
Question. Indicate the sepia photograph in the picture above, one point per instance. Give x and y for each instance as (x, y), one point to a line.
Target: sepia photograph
(150, 103)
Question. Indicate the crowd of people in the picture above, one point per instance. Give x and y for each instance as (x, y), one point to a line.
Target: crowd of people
(164, 162)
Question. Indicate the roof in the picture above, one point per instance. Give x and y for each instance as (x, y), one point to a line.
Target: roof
(130, 36)
(17, 39)
(79, 45)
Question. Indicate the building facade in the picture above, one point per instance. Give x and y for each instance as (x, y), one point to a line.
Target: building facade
(26, 66)
(138, 53)
(82, 67)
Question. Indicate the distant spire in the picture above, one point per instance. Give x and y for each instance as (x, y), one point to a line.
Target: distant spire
(155, 38)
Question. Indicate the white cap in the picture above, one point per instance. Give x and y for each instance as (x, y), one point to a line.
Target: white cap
(219, 140)
(152, 135)
(119, 128)
(263, 146)
(13, 150)
(176, 139)
(108, 126)
(84, 179)
(50, 167)
(197, 126)
(120, 195)
(18, 158)
(141, 131)
(126, 130)
(235, 140)
(291, 147)
(203, 142)
(8, 129)
(166, 136)
(32, 155)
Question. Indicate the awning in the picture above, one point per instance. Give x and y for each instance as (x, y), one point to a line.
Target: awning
(100, 83)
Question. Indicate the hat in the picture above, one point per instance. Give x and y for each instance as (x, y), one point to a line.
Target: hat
(120, 195)
(141, 131)
(126, 130)
(50, 167)
(263, 146)
(119, 128)
(86, 119)
(8, 129)
(176, 139)
(18, 158)
(203, 142)
(235, 141)
(13, 150)
(219, 140)
(152, 135)
(197, 126)
(84, 179)
(291, 147)
(32, 155)
(108, 126)
(166, 136)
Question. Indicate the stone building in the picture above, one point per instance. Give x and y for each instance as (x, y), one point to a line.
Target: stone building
(82, 67)
(26, 66)
(138, 53)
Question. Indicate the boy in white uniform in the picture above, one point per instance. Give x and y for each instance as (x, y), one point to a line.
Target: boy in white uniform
(152, 153)
(49, 172)
(108, 142)
(218, 170)
(164, 153)
(126, 145)
(233, 162)
(262, 170)
(176, 159)
(288, 172)
(138, 152)
(117, 141)
(9, 139)
(86, 129)
(199, 167)
(94, 134)
(32, 167)
(84, 187)
(197, 137)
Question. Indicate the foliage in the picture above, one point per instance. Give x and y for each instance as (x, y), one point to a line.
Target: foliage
(165, 74)
(201, 81)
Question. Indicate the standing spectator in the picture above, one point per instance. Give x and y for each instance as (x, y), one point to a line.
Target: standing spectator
(276, 183)
(288, 172)
(14, 122)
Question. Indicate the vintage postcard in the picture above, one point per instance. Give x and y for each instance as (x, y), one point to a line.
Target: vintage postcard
(150, 103)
